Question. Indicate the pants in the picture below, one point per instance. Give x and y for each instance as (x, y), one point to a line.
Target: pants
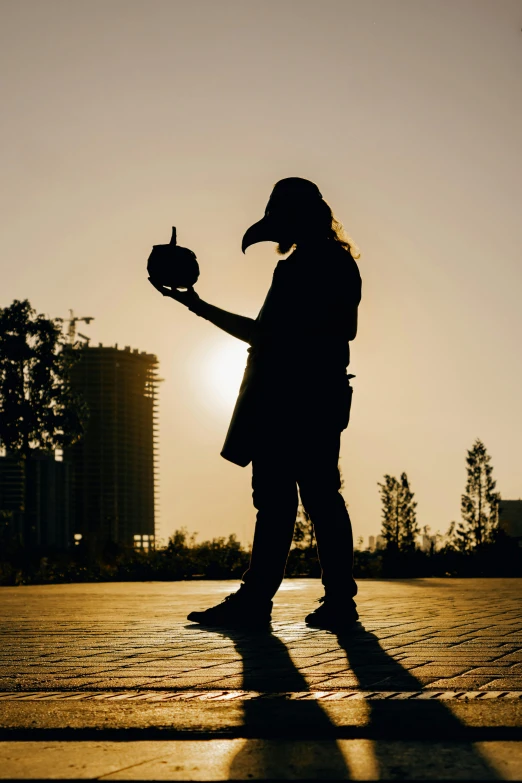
(309, 460)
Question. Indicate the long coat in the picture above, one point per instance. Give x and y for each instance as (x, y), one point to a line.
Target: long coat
(296, 372)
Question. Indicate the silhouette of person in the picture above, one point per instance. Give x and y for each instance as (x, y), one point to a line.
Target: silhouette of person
(293, 404)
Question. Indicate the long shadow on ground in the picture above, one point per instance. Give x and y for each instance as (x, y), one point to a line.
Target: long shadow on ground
(392, 726)
(429, 721)
(267, 664)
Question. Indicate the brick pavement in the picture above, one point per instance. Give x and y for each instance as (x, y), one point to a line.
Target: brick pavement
(449, 634)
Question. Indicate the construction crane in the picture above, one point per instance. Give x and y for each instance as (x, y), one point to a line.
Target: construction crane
(71, 329)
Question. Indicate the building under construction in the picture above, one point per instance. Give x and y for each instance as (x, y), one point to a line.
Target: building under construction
(114, 462)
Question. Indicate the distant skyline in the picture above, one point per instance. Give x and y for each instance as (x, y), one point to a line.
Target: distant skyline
(123, 119)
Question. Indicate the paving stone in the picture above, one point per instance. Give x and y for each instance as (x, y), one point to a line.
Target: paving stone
(423, 633)
(462, 683)
(493, 671)
(334, 683)
(432, 670)
(507, 683)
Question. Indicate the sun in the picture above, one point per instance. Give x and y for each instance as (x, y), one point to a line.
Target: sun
(220, 370)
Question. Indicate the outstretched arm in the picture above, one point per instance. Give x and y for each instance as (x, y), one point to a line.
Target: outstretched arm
(237, 325)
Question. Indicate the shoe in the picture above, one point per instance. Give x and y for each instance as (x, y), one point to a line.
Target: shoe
(236, 611)
(333, 615)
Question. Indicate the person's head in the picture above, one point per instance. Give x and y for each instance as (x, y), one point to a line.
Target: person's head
(297, 215)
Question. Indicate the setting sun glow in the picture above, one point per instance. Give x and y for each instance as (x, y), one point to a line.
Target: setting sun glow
(220, 371)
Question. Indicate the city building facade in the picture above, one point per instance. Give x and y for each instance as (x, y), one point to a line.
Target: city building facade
(114, 462)
(35, 500)
(510, 518)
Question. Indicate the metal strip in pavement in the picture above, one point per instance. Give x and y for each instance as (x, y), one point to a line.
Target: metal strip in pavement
(233, 695)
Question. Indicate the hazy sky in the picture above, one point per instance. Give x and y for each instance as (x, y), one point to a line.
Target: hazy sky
(121, 118)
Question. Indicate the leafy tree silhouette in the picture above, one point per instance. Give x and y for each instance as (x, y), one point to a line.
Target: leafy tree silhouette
(399, 518)
(38, 409)
(479, 503)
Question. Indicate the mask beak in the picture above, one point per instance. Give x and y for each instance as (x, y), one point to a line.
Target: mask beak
(262, 231)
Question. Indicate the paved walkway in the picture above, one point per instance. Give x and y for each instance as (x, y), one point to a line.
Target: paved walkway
(426, 633)
(429, 686)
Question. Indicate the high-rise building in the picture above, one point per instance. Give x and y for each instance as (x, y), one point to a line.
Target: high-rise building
(47, 502)
(12, 497)
(380, 542)
(35, 500)
(114, 462)
(427, 542)
(510, 518)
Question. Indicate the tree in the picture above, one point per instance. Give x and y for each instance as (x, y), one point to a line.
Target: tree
(38, 409)
(399, 518)
(304, 533)
(390, 511)
(479, 503)
(409, 528)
